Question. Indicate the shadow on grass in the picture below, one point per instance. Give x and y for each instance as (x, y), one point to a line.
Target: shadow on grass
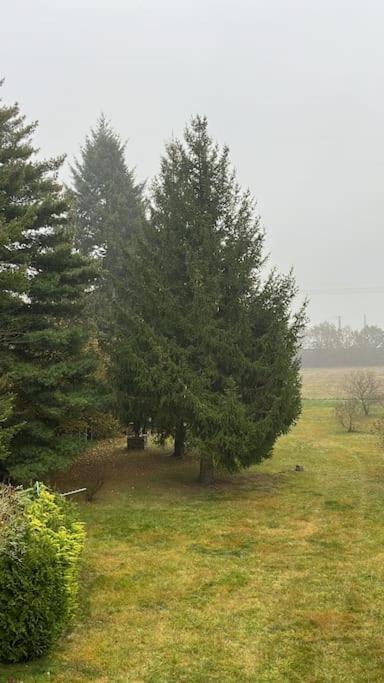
(108, 468)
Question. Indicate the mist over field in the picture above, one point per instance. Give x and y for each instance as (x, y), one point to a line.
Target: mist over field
(294, 88)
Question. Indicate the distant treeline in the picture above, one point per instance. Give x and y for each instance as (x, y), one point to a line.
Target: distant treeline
(325, 345)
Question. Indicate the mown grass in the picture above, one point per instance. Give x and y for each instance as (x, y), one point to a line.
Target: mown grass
(272, 575)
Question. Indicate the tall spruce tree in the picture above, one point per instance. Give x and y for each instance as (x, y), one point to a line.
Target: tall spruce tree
(43, 284)
(203, 343)
(13, 262)
(108, 203)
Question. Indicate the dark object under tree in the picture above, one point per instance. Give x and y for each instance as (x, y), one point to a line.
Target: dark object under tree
(136, 442)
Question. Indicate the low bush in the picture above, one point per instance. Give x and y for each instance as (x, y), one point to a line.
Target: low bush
(348, 412)
(40, 547)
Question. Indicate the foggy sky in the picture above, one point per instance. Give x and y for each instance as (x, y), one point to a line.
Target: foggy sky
(294, 88)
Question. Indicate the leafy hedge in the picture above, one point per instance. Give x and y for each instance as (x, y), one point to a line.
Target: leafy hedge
(40, 547)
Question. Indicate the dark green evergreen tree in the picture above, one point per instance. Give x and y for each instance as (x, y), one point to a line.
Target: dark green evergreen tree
(13, 262)
(6, 431)
(204, 343)
(43, 286)
(15, 213)
(108, 203)
(107, 208)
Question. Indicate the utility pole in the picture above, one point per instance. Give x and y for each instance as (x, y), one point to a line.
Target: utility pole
(365, 320)
(339, 319)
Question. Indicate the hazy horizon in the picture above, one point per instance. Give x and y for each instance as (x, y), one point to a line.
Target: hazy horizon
(292, 88)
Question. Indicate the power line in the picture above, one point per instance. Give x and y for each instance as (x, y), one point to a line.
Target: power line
(332, 291)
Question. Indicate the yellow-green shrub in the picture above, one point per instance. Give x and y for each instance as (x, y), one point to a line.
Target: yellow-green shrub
(40, 547)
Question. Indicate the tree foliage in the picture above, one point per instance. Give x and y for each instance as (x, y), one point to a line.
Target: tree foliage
(108, 202)
(364, 387)
(327, 337)
(347, 413)
(43, 286)
(40, 546)
(326, 345)
(202, 339)
(6, 431)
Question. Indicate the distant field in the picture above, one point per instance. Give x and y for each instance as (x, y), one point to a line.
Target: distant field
(328, 382)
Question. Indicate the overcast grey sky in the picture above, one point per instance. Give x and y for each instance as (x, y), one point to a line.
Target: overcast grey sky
(294, 88)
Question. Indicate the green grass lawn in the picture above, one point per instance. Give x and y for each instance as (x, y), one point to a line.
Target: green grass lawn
(272, 575)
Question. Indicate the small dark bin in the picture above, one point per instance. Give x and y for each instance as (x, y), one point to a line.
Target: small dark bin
(136, 443)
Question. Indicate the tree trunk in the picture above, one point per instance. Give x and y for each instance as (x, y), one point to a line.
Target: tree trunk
(206, 470)
(179, 441)
(4, 476)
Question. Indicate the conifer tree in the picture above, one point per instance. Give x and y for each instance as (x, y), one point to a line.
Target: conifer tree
(16, 214)
(204, 343)
(108, 203)
(43, 284)
(6, 431)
